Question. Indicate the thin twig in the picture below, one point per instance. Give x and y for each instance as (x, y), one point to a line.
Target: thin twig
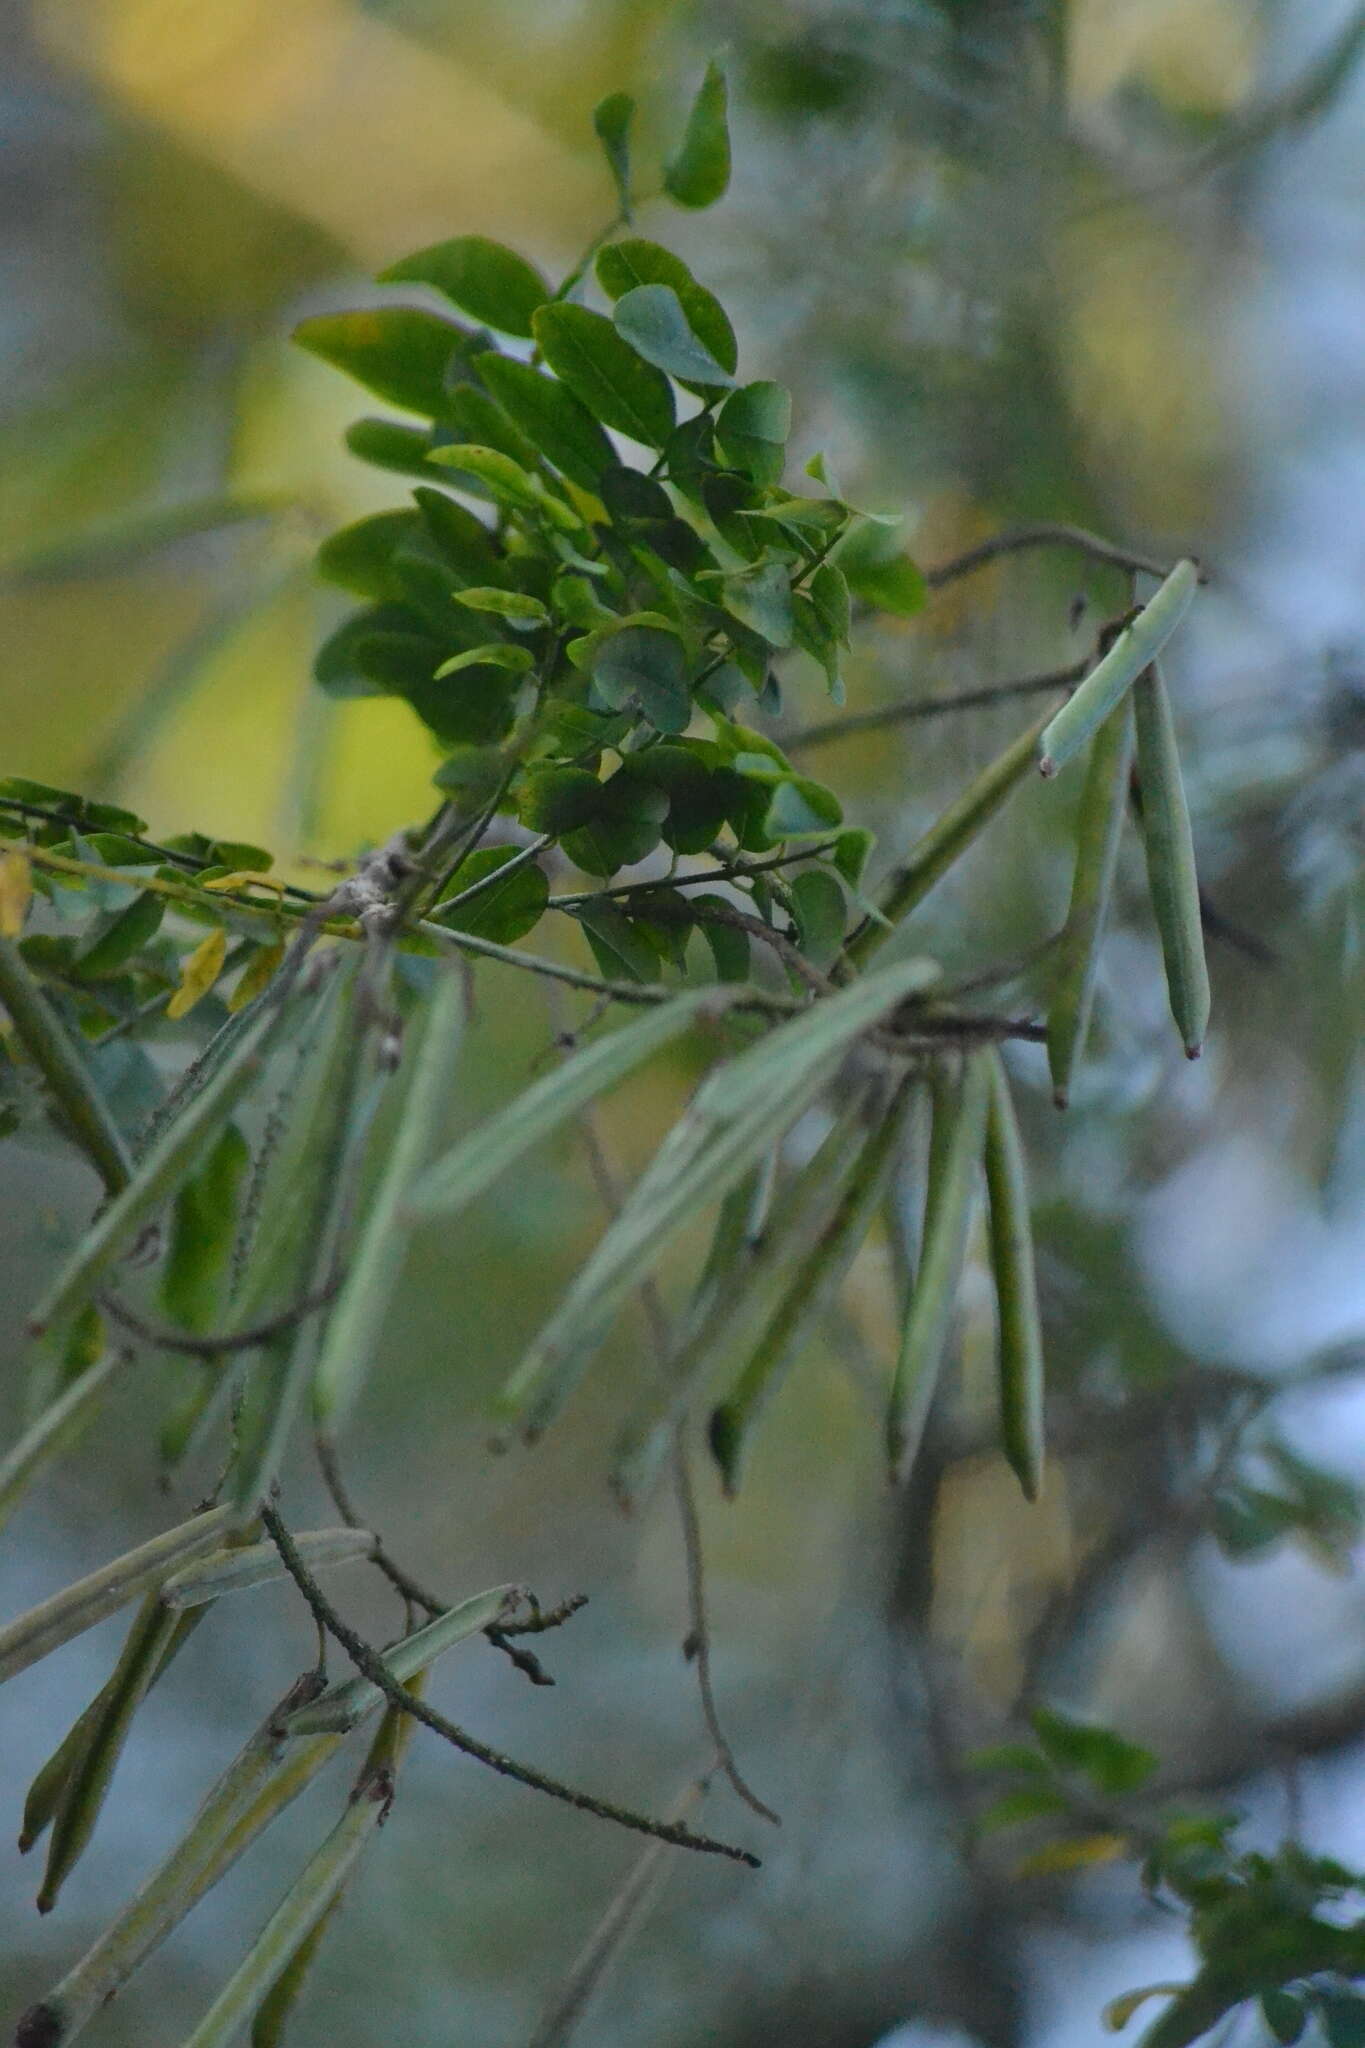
(738, 870)
(623, 1911)
(698, 1644)
(832, 729)
(371, 1665)
(167, 1337)
(1046, 534)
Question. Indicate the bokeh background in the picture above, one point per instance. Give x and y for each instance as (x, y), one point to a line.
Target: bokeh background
(1018, 260)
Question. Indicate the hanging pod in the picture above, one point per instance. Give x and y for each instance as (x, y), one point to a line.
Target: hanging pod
(946, 840)
(356, 1320)
(1091, 702)
(314, 1891)
(1104, 801)
(955, 1153)
(1019, 1334)
(812, 1289)
(740, 1303)
(1171, 874)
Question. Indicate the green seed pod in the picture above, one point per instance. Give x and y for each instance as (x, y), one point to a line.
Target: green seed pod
(83, 1794)
(1103, 803)
(1137, 645)
(813, 1289)
(1171, 874)
(948, 1207)
(1020, 1338)
(934, 853)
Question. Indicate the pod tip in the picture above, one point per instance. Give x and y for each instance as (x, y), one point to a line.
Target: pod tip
(1193, 1051)
(1061, 1097)
(1047, 767)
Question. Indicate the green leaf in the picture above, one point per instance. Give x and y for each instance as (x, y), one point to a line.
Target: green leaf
(652, 319)
(203, 1230)
(491, 283)
(1026, 1802)
(122, 937)
(801, 809)
(625, 265)
(493, 654)
(611, 118)
(463, 1174)
(355, 1326)
(503, 911)
(818, 902)
(729, 946)
(400, 354)
(623, 829)
(1284, 2016)
(1114, 1765)
(752, 428)
(851, 850)
(645, 665)
(699, 792)
(604, 371)
(462, 539)
(557, 800)
(1135, 648)
(507, 482)
(761, 598)
(477, 418)
(698, 172)
(520, 610)
(358, 557)
(388, 444)
(623, 951)
(879, 572)
(547, 412)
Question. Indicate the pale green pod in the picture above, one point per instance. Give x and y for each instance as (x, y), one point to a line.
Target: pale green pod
(737, 1113)
(1171, 874)
(1104, 802)
(58, 1058)
(946, 840)
(463, 1173)
(276, 2009)
(814, 1287)
(1138, 644)
(60, 1423)
(172, 1155)
(244, 1566)
(69, 1613)
(740, 1307)
(313, 1891)
(252, 1792)
(83, 1794)
(948, 1209)
(339, 1709)
(1019, 1336)
(356, 1320)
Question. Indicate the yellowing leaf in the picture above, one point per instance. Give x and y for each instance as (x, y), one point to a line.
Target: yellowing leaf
(199, 973)
(1077, 1854)
(16, 893)
(241, 878)
(258, 972)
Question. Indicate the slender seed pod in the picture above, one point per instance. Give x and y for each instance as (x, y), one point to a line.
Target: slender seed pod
(945, 841)
(83, 1795)
(1019, 1339)
(61, 1422)
(812, 1290)
(1171, 874)
(1138, 644)
(948, 1207)
(1103, 803)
